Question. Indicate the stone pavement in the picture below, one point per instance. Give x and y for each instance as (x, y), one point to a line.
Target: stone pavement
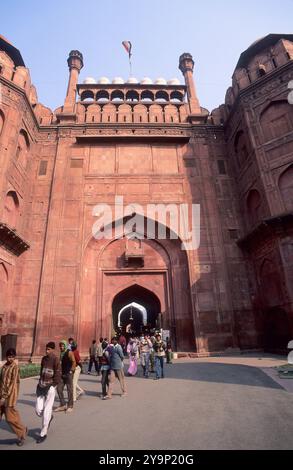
(207, 403)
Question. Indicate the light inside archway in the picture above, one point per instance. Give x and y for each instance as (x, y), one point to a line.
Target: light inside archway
(137, 306)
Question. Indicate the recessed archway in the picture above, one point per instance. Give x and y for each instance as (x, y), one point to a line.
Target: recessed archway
(136, 307)
(164, 274)
(277, 331)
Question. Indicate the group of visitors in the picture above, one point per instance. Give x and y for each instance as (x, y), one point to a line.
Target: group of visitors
(56, 372)
(63, 369)
(152, 350)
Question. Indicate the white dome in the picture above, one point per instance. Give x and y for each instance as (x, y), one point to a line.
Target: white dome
(146, 81)
(160, 81)
(89, 81)
(117, 81)
(103, 81)
(132, 80)
(173, 81)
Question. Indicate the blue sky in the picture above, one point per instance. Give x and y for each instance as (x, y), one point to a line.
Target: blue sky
(214, 32)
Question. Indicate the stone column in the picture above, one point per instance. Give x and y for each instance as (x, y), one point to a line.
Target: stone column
(75, 64)
(186, 65)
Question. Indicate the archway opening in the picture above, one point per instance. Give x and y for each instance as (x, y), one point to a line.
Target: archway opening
(135, 310)
(277, 331)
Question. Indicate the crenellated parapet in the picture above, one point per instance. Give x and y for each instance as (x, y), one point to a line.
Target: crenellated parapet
(127, 103)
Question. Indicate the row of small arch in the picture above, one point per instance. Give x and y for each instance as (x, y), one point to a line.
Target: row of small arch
(126, 113)
(132, 96)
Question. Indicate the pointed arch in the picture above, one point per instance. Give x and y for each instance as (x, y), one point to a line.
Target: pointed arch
(11, 209)
(2, 119)
(136, 306)
(253, 204)
(241, 147)
(138, 301)
(276, 119)
(23, 147)
(3, 274)
(286, 187)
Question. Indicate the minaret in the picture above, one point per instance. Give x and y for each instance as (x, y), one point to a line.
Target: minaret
(75, 64)
(186, 65)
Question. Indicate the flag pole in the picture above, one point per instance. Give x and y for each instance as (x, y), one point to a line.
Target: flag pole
(128, 46)
(130, 65)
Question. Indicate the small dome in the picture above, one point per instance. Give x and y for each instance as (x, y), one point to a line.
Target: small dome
(89, 81)
(103, 81)
(117, 81)
(173, 81)
(160, 81)
(132, 80)
(146, 81)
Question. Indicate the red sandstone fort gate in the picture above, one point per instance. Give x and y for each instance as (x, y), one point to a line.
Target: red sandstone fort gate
(141, 271)
(151, 142)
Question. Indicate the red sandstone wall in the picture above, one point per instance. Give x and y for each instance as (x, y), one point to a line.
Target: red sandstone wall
(214, 297)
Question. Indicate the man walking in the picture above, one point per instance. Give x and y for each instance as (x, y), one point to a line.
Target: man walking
(105, 368)
(145, 347)
(9, 390)
(93, 357)
(50, 377)
(159, 348)
(78, 369)
(99, 354)
(116, 367)
(68, 365)
(169, 353)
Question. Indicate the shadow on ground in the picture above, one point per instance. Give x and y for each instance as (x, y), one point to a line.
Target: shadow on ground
(213, 372)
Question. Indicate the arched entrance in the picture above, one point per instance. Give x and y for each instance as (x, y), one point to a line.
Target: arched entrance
(277, 330)
(153, 273)
(136, 307)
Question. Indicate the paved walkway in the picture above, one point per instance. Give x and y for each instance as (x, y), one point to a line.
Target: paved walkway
(207, 403)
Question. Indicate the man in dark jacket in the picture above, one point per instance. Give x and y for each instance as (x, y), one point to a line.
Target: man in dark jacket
(50, 377)
(116, 367)
(68, 365)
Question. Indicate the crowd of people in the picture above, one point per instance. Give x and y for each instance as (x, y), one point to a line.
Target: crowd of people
(63, 370)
